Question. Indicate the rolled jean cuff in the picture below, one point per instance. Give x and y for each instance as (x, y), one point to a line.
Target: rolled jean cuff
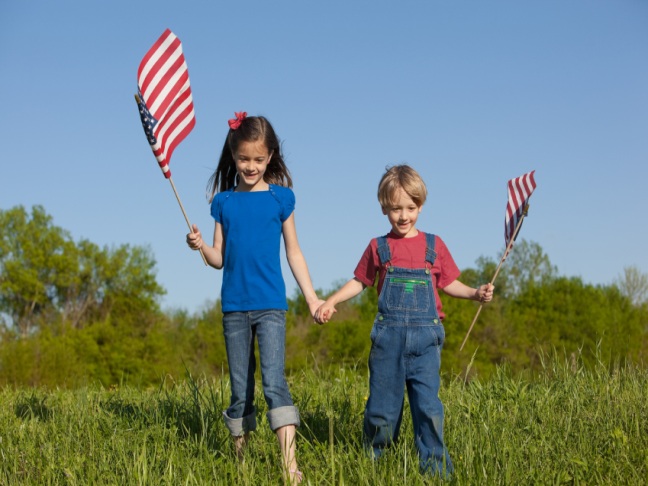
(282, 416)
(240, 426)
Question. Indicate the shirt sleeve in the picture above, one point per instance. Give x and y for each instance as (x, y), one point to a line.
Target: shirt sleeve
(217, 208)
(287, 203)
(448, 270)
(367, 269)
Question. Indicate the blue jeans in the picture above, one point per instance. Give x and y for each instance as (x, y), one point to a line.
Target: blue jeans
(269, 327)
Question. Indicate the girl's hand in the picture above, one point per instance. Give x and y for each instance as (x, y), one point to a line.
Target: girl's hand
(313, 306)
(485, 293)
(324, 313)
(194, 240)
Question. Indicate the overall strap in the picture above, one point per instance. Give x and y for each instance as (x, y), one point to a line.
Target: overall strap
(430, 254)
(383, 250)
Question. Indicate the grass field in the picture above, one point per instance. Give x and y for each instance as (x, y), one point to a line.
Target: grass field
(568, 425)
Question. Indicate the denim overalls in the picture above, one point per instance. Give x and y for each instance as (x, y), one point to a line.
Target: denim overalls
(406, 341)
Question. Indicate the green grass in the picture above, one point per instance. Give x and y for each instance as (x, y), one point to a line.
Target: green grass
(567, 425)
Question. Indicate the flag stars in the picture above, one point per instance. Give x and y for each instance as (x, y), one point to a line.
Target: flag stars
(148, 122)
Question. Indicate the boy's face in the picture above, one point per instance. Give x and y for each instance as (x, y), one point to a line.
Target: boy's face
(402, 215)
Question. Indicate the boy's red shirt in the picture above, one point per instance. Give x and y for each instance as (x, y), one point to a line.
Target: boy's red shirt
(408, 253)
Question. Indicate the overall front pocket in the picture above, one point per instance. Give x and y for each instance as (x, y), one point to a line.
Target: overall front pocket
(411, 294)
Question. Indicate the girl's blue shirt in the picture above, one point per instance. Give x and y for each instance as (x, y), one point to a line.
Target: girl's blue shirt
(252, 228)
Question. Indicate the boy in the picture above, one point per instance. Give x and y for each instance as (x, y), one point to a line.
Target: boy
(408, 334)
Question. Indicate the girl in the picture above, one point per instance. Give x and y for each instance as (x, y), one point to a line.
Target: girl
(253, 206)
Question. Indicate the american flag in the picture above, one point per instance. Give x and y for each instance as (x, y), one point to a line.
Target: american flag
(164, 98)
(519, 191)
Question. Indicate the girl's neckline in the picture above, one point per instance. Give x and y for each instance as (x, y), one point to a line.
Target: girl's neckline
(235, 189)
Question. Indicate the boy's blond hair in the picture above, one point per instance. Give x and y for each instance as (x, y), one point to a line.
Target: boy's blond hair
(401, 177)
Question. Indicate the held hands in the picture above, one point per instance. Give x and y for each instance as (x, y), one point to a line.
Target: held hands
(484, 293)
(324, 313)
(194, 240)
(314, 306)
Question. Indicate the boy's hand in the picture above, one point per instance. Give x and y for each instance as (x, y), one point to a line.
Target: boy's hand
(485, 293)
(324, 313)
(313, 306)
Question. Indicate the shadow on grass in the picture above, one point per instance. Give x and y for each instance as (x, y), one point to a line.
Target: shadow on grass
(334, 422)
(193, 410)
(32, 407)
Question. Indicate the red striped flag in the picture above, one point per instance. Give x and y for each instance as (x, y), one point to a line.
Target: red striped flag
(519, 191)
(165, 102)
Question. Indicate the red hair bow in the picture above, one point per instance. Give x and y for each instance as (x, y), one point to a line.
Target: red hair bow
(234, 123)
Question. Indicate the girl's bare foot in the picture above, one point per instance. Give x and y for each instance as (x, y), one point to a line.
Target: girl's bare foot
(239, 446)
(295, 476)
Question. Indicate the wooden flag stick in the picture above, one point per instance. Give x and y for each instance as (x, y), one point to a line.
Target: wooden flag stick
(506, 252)
(185, 216)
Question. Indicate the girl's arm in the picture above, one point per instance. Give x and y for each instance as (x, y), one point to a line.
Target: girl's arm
(484, 293)
(298, 264)
(213, 254)
(348, 291)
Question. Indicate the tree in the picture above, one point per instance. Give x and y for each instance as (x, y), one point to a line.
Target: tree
(36, 258)
(527, 264)
(46, 277)
(568, 314)
(634, 285)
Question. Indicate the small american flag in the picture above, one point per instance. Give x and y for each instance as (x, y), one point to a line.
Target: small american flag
(519, 191)
(164, 98)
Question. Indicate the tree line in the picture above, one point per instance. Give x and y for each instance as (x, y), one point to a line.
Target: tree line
(73, 313)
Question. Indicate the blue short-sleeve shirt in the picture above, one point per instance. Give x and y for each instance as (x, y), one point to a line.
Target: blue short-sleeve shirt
(252, 228)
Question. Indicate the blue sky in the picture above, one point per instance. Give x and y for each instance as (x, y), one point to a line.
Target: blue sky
(470, 93)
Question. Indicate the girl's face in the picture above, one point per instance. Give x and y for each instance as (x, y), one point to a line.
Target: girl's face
(252, 159)
(402, 215)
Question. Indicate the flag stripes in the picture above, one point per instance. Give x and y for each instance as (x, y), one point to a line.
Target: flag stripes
(519, 191)
(166, 103)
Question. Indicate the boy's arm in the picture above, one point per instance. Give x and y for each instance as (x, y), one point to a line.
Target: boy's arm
(484, 293)
(298, 266)
(348, 291)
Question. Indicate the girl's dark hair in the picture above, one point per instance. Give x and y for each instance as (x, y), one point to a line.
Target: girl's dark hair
(252, 129)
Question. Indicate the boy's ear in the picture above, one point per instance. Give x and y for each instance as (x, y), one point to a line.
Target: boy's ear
(384, 210)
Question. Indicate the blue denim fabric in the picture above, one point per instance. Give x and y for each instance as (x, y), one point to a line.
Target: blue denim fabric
(240, 329)
(407, 338)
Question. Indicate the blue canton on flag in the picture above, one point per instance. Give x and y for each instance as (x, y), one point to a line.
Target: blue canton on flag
(148, 121)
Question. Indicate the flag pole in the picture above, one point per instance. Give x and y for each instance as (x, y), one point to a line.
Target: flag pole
(185, 217)
(506, 252)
